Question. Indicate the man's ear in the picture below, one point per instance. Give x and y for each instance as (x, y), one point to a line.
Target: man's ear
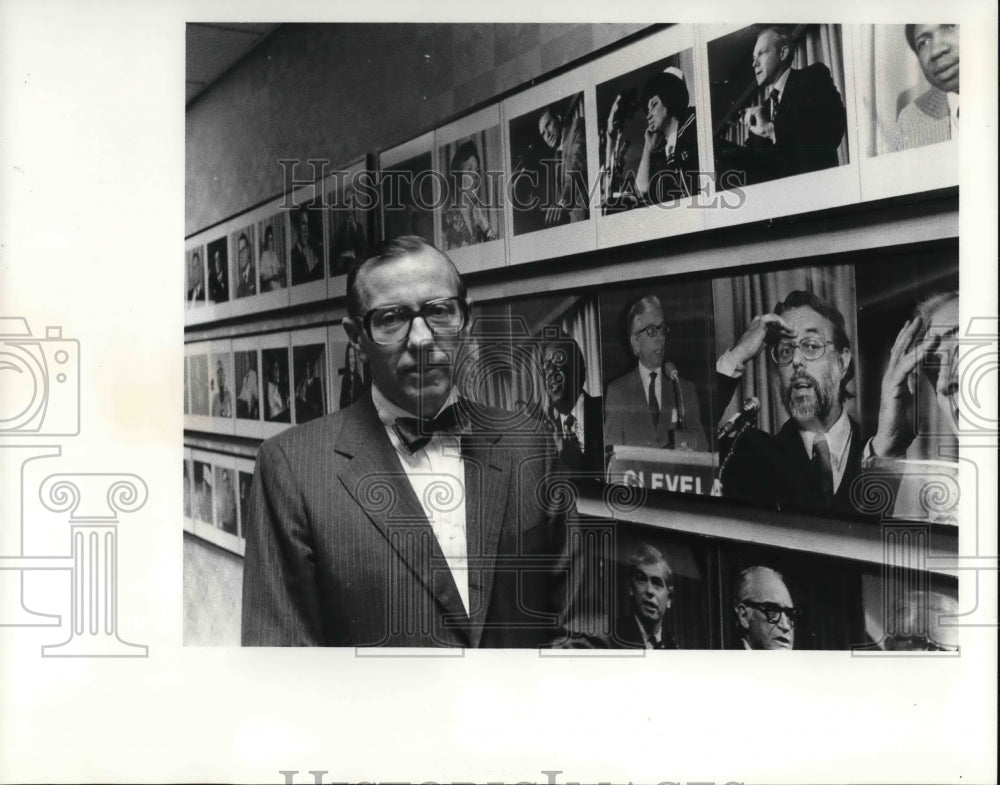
(743, 615)
(845, 360)
(785, 55)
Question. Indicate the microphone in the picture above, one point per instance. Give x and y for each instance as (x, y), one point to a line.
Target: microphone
(671, 371)
(747, 415)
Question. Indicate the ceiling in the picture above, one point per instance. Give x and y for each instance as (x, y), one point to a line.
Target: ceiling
(212, 49)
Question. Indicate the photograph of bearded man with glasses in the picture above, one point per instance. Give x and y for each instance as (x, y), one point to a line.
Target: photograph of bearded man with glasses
(414, 517)
(817, 453)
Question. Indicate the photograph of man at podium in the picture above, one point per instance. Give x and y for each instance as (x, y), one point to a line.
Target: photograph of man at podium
(653, 431)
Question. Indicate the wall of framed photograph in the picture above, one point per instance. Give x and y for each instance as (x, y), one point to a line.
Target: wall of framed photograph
(216, 495)
(636, 210)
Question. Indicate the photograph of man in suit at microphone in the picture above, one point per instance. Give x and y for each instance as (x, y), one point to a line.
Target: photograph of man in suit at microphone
(658, 384)
(777, 95)
(832, 377)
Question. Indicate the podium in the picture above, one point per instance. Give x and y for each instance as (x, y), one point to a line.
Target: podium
(677, 471)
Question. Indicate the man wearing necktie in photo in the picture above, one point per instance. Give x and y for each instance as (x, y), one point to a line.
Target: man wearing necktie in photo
(650, 592)
(800, 121)
(414, 517)
(652, 405)
(815, 456)
(573, 415)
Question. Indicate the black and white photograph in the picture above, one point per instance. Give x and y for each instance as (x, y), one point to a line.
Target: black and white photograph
(651, 352)
(548, 166)
(271, 253)
(473, 213)
(221, 385)
(202, 499)
(218, 271)
(225, 500)
(305, 226)
(408, 189)
(909, 86)
(649, 135)
(310, 381)
(658, 404)
(556, 377)
(778, 102)
(198, 375)
(839, 380)
(351, 208)
(195, 276)
(351, 379)
(536, 378)
(663, 593)
(774, 599)
(247, 380)
(908, 100)
(245, 268)
(277, 398)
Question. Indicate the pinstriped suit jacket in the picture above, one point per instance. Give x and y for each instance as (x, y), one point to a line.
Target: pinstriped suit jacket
(340, 553)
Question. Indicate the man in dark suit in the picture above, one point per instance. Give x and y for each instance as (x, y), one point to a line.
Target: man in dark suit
(305, 261)
(816, 455)
(413, 517)
(568, 140)
(573, 415)
(765, 613)
(799, 124)
(652, 406)
(650, 591)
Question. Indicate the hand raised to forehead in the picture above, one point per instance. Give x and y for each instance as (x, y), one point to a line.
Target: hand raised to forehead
(764, 329)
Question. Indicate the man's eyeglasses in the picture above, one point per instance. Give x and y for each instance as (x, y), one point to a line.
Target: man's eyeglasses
(811, 348)
(391, 324)
(653, 330)
(772, 611)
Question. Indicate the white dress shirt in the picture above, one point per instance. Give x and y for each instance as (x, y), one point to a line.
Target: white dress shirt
(644, 373)
(436, 473)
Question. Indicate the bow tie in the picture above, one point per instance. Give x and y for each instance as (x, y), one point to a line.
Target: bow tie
(416, 434)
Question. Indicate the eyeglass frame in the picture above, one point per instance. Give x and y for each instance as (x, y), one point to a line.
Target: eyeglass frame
(772, 350)
(770, 608)
(663, 329)
(463, 309)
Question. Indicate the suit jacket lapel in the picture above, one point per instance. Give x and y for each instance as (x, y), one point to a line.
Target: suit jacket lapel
(376, 480)
(487, 482)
